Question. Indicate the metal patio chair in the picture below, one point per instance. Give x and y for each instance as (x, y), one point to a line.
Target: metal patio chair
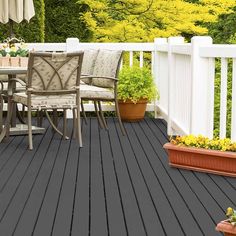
(53, 82)
(101, 85)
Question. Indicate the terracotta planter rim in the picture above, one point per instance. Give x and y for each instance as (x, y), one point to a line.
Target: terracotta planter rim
(129, 101)
(225, 226)
(200, 150)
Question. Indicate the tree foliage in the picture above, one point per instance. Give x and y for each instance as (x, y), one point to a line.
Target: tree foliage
(63, 20)
(223, 31)
(142, 20)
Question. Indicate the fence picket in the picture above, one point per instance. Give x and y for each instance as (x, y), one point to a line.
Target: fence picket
(223, 97)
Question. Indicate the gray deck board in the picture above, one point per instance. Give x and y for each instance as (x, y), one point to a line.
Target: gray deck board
(115, 185)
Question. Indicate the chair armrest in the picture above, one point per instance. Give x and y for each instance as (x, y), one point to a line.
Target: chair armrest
(51, 92)
(19, 81)
(1, 90)
(102, 77)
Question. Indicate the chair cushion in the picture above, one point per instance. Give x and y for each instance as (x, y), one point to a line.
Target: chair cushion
(93, 92)
(65, 101)
(106, 64)
(88, 63)
(47, 101)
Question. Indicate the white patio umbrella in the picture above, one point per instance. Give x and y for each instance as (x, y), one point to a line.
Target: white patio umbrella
(16, 10)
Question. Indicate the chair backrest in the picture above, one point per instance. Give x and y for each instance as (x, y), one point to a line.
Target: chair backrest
(107, 64)
(51, 72)
(90, 56)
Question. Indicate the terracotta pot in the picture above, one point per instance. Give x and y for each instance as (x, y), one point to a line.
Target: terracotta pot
(132, 112)
(23, 61)
(15, 61)
(226, 228)
(5, 61)
(204, 160)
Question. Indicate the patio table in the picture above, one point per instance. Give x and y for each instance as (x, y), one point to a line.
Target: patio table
(16, 129)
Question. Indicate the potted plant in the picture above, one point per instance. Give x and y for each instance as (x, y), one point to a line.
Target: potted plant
(13, 55)
(228, 227)
(136, 88)
(217, 156)
(14, 58)
(23, 53)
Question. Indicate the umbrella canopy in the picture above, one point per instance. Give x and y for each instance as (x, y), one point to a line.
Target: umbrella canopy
(16, 10)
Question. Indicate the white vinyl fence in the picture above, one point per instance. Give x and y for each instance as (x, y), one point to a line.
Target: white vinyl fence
(186, 80)
(185, 77)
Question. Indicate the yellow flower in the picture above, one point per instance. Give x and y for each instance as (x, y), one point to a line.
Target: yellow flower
(229, 211)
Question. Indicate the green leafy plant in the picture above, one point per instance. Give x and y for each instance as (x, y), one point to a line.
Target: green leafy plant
(231, 214)
(136, 83)
(204, 142)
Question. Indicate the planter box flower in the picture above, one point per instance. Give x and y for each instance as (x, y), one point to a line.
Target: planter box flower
(227, 228)
(201, 159)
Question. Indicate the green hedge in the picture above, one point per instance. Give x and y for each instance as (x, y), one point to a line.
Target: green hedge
(63, 21)
(30, 32)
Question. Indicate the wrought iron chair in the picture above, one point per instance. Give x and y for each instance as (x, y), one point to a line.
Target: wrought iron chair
(102, 83)
(53, 83)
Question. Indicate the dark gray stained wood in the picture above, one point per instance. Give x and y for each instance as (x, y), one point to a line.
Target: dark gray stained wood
(115, 185)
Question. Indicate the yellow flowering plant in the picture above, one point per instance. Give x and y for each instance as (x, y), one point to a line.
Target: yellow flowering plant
(204, 142)
(231, 214)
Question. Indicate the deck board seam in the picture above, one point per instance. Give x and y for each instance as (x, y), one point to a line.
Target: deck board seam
(32, 187)
(128, 171)
(59, 195)
(176, 188)
(103, 180)
(118, 185)
(154, 205)
(18, 187)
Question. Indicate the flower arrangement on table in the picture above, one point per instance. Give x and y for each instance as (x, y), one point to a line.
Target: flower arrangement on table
(204, 142)
(13, 55)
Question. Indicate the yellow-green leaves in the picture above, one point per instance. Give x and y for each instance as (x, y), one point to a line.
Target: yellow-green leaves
(136, 83)
(143, 20)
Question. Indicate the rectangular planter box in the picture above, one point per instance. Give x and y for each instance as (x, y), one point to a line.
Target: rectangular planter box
(203, 160)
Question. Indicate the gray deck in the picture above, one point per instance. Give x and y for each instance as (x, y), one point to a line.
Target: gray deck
(114, 185)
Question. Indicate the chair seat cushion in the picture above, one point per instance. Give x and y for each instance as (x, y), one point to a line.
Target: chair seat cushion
(93, 92)
(47, 101)
(67, 100)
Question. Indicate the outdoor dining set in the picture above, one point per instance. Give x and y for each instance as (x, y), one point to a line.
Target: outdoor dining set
(59, 81)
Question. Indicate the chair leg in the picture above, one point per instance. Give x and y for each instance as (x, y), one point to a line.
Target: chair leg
(54, 117)
(79, 135)
(40, 124)
(9, 115)
(30, 129)
(1, 112)
(64, 123)
(98, 116)
(102, 115)
(20, 115)
(119, 119)
(38, 117)
(74, 123)
(83, 112)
